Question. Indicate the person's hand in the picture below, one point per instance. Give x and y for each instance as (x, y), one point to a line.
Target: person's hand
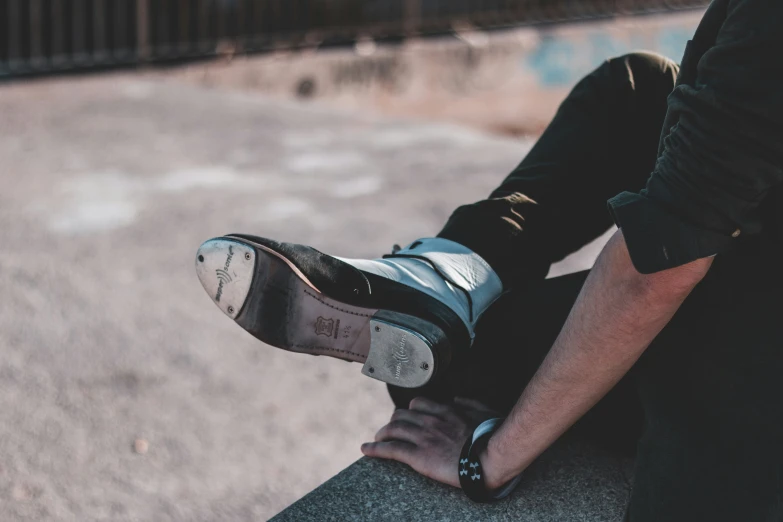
(429, 436)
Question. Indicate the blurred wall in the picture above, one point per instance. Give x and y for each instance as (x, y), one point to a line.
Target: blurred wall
(507, 81)
(45, 36)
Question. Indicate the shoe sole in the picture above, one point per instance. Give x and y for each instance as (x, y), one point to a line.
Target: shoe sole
(274, 301)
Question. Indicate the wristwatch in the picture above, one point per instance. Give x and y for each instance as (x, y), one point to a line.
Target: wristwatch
(471, 475)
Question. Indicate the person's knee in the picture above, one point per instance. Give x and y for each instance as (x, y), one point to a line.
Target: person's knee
(651, 76)
(647, 62)
(639, 82)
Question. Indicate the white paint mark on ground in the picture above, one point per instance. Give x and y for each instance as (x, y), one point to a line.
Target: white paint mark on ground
(326, 162)
(283, 208)
(356, 187)
(108, 200)
(208, 177)
(307, 140)
(136, 90)
(388, 137)
(450, 135)
(97, 202)
(95, 216)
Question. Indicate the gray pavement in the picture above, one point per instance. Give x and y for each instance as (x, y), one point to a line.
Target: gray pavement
(124, 393)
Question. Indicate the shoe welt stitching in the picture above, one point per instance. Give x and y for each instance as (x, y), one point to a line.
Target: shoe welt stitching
(319, 348)
(335, 307)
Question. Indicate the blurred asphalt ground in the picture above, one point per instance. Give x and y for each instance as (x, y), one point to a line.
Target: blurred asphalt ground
(125, 394)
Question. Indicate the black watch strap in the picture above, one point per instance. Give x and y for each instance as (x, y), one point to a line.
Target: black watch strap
(471, 474)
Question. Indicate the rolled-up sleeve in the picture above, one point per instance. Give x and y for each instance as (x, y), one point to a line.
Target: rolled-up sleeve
(724, 153)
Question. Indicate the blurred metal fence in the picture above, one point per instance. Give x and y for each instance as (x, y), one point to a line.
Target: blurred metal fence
(42, 36)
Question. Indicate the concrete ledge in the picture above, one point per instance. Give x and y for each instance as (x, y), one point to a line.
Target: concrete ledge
(571, 482)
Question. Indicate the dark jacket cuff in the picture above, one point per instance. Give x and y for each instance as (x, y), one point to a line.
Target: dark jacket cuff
(657, 239)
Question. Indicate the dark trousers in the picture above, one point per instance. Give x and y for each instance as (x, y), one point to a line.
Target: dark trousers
(703, 408)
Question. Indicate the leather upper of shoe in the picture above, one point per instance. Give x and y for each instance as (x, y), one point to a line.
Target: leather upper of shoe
(388, 289)
(444, 270)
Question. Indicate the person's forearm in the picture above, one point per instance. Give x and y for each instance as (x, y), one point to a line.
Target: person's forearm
(616, 316)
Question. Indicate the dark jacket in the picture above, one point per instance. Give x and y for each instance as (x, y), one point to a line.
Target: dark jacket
(720, 165)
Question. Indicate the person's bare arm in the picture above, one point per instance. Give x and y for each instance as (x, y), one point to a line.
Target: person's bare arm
(616, 316)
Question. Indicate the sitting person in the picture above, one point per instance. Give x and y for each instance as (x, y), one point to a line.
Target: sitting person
(670, 344)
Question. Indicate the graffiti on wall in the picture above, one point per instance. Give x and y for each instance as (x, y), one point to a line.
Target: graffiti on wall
(388, 73)
(560, 61)
(550, 58)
